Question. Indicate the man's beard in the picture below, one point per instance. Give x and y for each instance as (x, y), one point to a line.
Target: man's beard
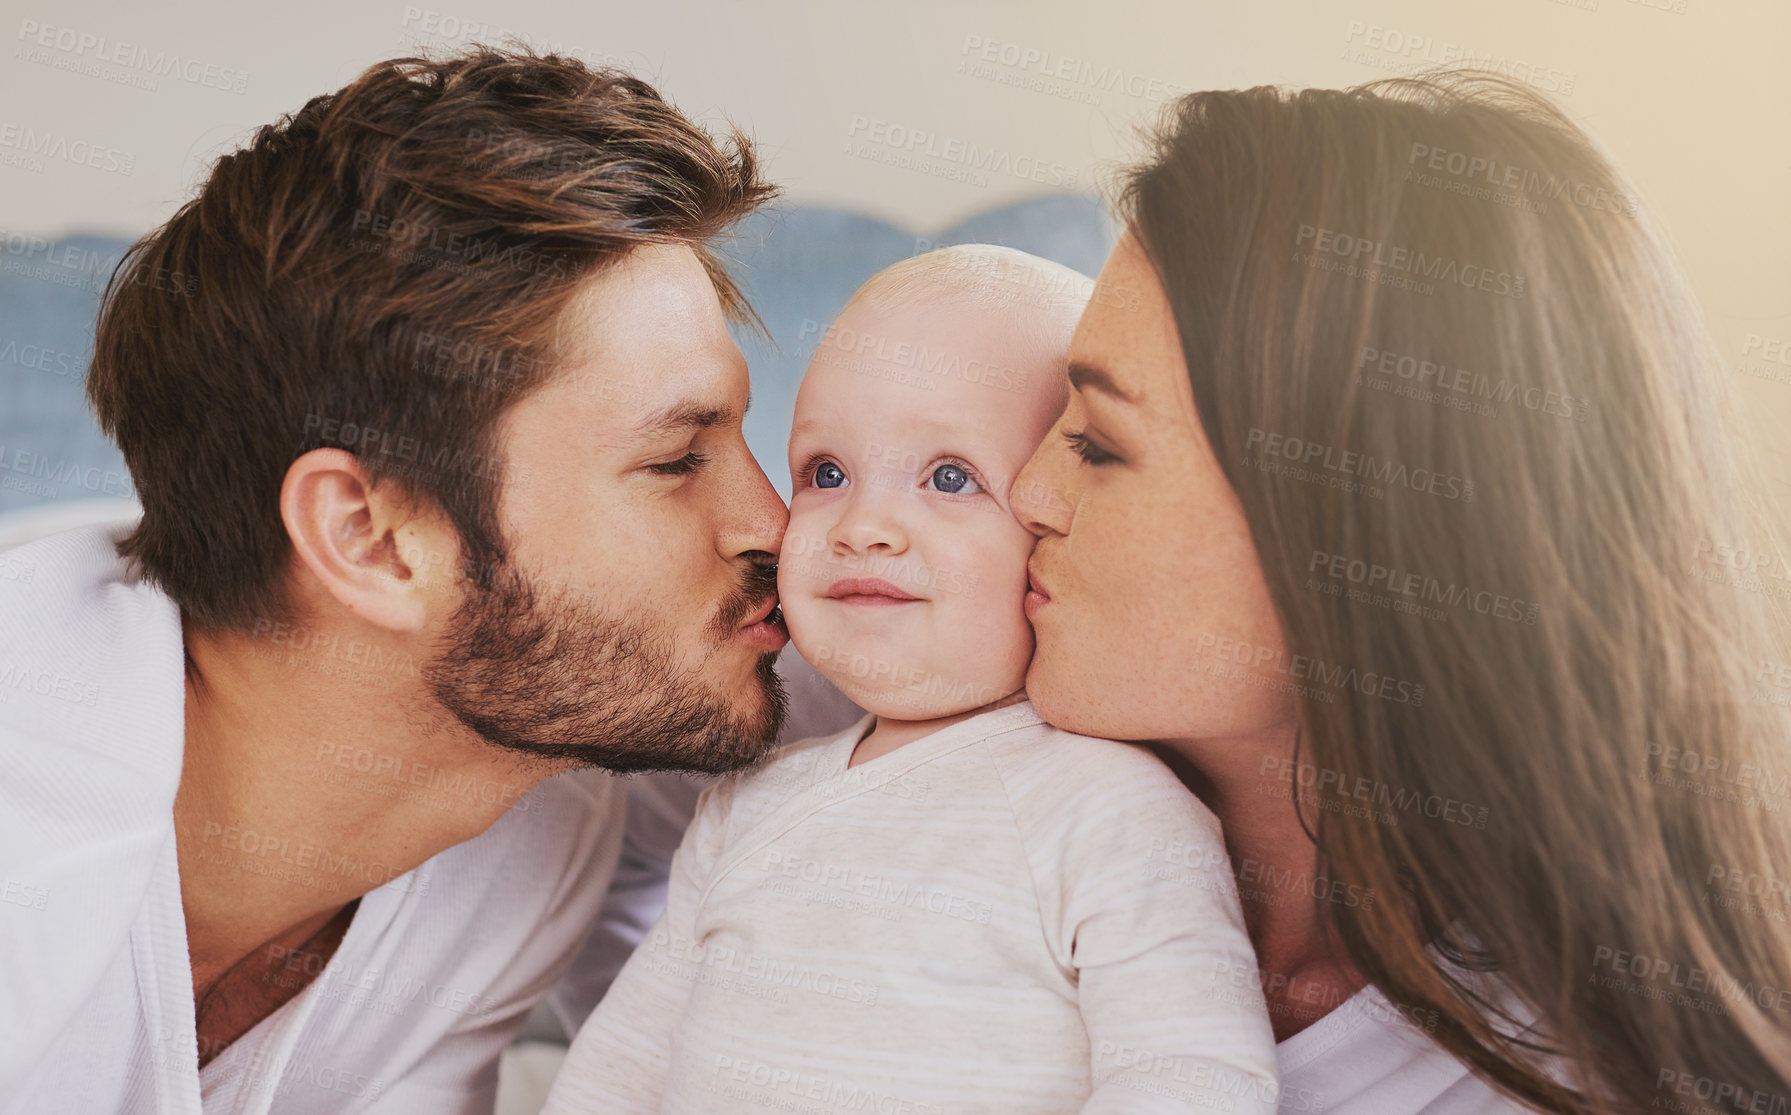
(559, 679)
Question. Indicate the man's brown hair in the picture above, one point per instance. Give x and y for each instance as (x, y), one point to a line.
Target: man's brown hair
(382, 271)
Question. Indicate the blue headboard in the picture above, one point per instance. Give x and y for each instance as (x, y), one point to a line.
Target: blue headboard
(797, 265)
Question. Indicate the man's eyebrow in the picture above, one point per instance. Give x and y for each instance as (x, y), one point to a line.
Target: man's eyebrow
(1086, 376)
(685, 415)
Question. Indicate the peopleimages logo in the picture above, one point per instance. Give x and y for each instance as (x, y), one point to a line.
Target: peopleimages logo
(65, 48)
(1686, 985)
(1726, 1096)
(15, 678)
(35, 473)
(1061, 75)
(1495, 173)
(1718, 769)
(1766, 357)
(872, 350)
(1350, 462)
(1471, 388)
(1408, 586)
(1363, 253)
(950, 156)
(1401, 51)
(1328, 782)
(35, 146)
(785, 974)
(1307, 667)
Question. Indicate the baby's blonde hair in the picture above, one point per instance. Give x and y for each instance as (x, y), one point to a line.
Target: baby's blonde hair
(1001, 278)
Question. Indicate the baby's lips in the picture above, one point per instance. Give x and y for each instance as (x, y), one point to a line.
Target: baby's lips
(869, 586)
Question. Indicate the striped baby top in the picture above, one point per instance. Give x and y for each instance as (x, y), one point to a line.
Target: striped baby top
(999, 918)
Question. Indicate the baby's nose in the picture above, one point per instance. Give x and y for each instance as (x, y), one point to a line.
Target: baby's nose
(867, 523)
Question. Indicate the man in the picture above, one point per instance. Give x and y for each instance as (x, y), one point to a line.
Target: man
(432, 409)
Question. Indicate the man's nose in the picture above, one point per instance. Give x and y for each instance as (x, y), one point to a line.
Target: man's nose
(757, 516)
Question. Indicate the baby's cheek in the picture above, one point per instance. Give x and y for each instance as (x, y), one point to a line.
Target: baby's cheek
(803, 556)
(989, 591)
(800, 608)
(997, 649)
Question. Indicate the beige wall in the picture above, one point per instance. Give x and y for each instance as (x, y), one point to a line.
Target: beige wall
(1692, 97)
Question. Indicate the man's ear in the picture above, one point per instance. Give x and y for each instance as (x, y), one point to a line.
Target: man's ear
(364, 547)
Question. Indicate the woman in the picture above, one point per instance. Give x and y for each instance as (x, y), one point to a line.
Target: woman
(1393, 505)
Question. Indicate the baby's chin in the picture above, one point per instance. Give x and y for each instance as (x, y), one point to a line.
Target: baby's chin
(900, 674)
(900, 705)
(927, 700)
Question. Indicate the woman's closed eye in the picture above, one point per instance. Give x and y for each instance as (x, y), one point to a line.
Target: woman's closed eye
(1085, 448)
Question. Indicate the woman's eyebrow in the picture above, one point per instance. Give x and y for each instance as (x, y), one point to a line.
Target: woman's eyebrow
(1085, 376)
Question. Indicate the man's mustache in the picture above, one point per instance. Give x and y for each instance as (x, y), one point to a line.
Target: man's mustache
(758, 584)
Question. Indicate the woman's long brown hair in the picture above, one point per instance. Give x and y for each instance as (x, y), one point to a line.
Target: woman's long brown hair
(1438, 291)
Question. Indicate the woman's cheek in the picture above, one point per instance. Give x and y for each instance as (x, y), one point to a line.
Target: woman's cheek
(1103, 670)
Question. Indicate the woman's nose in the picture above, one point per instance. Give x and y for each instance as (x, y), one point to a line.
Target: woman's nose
(1038, 497)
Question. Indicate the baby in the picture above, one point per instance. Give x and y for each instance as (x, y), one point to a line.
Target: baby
(951, 906)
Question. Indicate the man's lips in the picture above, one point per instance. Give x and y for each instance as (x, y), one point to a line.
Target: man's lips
(1036, 595)
(765, 611)
(765, 626)
(868, 590)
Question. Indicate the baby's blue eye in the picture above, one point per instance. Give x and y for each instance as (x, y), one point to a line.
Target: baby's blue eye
(829, 475)
(952, 479)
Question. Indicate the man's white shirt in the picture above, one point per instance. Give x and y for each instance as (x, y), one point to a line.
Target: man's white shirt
(432, 979)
